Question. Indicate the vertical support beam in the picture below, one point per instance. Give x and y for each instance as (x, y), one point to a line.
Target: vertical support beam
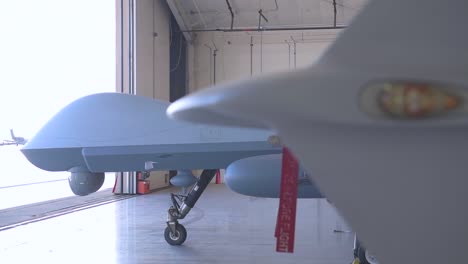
(131, 50)
(125, 73)
(123, 46)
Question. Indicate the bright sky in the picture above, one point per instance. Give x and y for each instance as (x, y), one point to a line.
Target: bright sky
(51, 53)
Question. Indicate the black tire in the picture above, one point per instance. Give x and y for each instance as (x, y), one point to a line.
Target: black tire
(178, 238)
(365, 257)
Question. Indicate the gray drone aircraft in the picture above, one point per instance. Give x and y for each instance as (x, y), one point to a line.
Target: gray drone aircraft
(114, 132)
(14, 140)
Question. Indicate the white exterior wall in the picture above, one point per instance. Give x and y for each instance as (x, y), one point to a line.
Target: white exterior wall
(269, 54)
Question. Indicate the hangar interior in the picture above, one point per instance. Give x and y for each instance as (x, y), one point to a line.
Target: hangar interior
(165, 50)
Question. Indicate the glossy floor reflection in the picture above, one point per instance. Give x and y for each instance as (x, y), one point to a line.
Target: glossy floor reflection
(36, 189)
(224, 228)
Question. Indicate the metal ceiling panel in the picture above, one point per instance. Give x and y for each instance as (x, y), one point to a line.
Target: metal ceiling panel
(209, 14)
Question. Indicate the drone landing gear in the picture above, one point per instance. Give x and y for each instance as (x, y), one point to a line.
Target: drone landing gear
(175, 233)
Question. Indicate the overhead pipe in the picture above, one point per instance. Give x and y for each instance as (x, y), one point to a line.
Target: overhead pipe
(215, 50)
(248, 10)
(261, 52)
(214, 66)
(334, 10)
(232, 13)
(211, 67)
(251, 55)
(294, 42)
(289, 54)
(262, 29)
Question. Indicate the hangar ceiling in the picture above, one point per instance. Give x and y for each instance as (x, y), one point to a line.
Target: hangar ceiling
(209, 14)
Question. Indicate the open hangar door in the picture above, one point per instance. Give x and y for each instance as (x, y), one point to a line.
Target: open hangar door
(150, 60)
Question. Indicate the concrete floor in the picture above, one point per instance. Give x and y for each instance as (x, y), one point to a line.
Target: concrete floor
(224, 228)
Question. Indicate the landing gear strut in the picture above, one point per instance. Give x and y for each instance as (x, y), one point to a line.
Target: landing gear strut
(362, 255)
(175, 233)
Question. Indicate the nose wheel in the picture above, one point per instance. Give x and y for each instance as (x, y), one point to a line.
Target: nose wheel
(176, 238)
(362, 255)
(175, 233)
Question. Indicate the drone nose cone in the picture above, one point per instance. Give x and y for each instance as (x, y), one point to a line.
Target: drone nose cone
(104, 119)
(98, 120)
